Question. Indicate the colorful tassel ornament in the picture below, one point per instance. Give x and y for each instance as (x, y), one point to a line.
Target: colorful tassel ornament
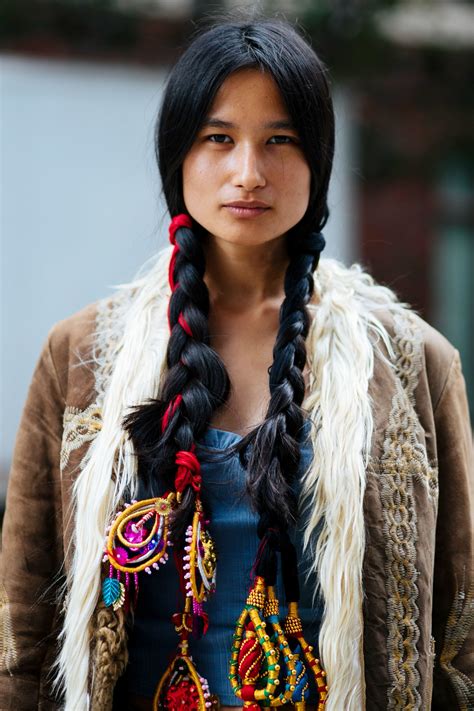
(294, 630)
(181, 687)
(137, 541)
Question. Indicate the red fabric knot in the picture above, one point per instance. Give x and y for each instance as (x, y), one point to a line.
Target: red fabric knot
(178, 221)
(189, 471)
(170, 410)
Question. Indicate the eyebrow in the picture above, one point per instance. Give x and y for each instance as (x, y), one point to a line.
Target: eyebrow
(219, 123)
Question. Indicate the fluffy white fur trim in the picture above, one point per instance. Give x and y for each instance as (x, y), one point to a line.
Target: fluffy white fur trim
(129, 362)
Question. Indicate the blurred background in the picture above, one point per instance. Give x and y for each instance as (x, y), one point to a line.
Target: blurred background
(81, 208)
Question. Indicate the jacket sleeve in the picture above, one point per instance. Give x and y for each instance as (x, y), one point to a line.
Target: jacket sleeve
(453, 602)
(31, 546)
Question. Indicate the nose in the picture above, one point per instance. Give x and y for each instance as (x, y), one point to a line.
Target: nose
(248, 168)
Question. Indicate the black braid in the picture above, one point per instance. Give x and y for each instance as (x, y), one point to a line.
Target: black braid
(272, 451)
(195, 371)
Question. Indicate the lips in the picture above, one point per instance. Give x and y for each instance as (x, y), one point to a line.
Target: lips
(246, 210)
(248, 204)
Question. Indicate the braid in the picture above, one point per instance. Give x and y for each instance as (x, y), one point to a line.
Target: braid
(196, 382)
(274, 456)
(110, 655)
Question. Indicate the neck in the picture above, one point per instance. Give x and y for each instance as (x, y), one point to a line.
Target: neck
(240, 277)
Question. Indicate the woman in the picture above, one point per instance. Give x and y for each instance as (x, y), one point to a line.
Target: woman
(329, 394)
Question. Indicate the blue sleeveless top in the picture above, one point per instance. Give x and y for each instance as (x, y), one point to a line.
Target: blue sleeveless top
(153, 640)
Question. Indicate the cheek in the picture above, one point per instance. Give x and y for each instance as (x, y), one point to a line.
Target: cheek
(297, 182)
(196, 176)
(190, 181)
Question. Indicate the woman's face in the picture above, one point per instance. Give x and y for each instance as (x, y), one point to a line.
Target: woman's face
(247, 152)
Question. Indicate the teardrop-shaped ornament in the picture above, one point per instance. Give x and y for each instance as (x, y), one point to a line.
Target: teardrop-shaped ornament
(181, 687)
(201, 557)
(254, 669)
(138, 537)
(290, 665)
(294, 631)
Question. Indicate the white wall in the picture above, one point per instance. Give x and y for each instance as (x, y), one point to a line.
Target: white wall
(80, 207)
(80, 201)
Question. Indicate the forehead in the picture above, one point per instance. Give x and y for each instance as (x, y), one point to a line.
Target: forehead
(250, 94)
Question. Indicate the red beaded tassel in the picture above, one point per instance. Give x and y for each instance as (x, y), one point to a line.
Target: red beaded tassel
(181, 687)
(250, 661)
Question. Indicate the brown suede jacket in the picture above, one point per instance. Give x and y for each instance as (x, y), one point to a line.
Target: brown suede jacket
(418, 571)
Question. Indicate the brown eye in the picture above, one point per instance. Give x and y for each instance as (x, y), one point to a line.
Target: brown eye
(217, 138)
(282, 139)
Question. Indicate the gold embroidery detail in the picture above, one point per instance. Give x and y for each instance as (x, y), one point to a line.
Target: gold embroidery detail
(80, 426)
(458, 626)
(8, 653)
(423, 472)
(404, 460)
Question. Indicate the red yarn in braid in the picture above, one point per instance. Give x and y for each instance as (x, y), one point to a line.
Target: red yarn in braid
(185, 325)
(188, 472)
(182, 220)
(170, 410)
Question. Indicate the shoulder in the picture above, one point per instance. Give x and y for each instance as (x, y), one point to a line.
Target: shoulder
(440, 356)
(399, 332)
(70, 349)
(73, 333)
(85, 346)
(431, 355)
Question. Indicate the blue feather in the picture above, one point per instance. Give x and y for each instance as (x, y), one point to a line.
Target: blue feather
(110, 591)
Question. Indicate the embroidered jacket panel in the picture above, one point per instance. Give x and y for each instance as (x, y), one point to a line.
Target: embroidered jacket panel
(418, 570)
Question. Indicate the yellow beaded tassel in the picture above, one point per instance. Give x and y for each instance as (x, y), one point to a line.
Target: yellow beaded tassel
(295, 676)
(294, 629)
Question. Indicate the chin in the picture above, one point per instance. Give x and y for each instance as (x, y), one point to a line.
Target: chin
(246, 238)
(244, 232)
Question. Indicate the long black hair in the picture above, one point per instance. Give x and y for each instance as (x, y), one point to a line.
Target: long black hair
(196, 382)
